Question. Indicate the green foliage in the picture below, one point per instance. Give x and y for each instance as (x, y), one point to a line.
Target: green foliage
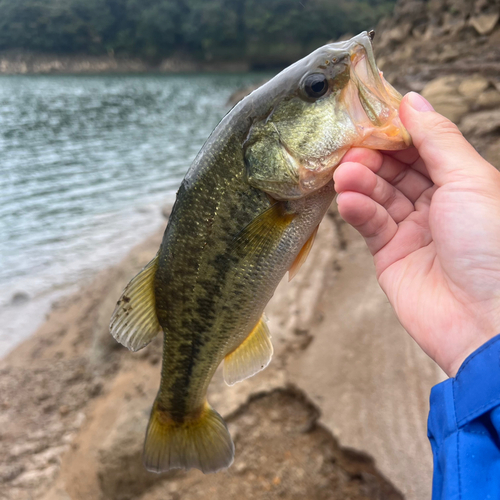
(265, 32)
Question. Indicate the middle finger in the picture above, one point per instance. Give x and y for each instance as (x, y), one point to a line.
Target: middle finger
(358, 178)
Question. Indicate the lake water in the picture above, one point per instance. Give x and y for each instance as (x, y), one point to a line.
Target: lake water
(86, 162)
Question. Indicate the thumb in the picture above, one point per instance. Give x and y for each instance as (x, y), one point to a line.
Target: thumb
(446, 153)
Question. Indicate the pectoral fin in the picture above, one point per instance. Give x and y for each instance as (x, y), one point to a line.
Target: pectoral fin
(134, 322)
(302, 256)
(252, 356)
(264, 233)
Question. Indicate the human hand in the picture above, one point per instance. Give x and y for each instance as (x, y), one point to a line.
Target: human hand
(430, 216)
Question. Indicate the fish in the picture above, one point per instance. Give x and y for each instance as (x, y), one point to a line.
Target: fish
(247, 212)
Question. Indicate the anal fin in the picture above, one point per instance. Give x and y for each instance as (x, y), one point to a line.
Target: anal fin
(134, 322)
(302, 256)
(251, 356)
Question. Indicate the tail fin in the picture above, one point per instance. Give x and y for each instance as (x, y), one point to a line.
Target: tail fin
(202, 443)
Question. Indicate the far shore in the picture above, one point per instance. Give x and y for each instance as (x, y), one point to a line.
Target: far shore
(28, 63)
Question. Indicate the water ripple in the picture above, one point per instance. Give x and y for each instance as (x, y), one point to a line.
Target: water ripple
(86, 162)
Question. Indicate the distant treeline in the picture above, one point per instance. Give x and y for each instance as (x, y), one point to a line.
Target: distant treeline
(261, 32)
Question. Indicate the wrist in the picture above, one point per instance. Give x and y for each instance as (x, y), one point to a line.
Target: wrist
(451, 366)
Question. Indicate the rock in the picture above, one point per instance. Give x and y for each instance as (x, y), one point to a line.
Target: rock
(50, 456)
(449, 53)
(36, 477)
(471, 87)
(488, 99)
(494, 38)
(276, 459)
(411, 9)
(443, 94)
(398, 33)
(433, 31)
(19, 298)
(442, 86)
(484, 23)
(64, 410)
(120, 470)
(166, 210)
(454, 22)
(436, 7)
(481, 123)
(493, 154)
(10, 472)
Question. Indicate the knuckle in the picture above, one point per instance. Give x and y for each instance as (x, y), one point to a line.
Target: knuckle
(400, 177)
(390, 197)
(439, 127)
(439, 131)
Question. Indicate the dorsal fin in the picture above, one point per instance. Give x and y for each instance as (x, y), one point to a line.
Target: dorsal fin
(302, 256)
(251, 356)
(134, 322)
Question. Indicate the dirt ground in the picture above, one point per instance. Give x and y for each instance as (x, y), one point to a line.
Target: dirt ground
(339, 413)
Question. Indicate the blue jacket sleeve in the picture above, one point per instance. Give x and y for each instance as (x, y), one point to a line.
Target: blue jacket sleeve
(464, 429)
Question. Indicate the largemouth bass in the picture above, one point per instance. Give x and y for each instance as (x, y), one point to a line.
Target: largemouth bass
(245, 214)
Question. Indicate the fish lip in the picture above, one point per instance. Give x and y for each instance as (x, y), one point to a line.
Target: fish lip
(367, 78)
(374, 105)
(363, 52)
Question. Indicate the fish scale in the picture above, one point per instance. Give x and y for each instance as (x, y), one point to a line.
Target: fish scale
(246, 213)
(228, 210)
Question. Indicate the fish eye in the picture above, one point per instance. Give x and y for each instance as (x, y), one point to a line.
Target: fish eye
(316, 85)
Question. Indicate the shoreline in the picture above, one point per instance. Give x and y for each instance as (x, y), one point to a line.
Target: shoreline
(28, 63)
(34, 308)
(78, 432)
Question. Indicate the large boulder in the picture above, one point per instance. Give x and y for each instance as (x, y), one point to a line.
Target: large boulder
(481, 123)
(282, 451)
(120, 470)
(493, 154)
(443, 93)
(488, 99)
(473, 86)
(484, 24)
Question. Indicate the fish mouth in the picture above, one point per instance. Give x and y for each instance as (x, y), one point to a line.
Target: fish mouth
(372, 103)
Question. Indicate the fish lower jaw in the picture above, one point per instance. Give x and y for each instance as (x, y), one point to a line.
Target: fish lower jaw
(392, 136)
(373, 107)
(319, 172)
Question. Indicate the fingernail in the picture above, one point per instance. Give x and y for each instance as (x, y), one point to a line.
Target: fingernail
(419, 103)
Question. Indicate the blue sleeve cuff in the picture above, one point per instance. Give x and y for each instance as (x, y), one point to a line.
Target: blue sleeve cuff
(464, 429)
(476, 388)
(474, 391)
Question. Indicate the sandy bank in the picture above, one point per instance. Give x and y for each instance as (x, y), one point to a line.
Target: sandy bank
(74, 405)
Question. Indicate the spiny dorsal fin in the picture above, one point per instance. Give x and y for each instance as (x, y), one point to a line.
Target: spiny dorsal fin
(252, 355)
(134, 322)
(302, 256)
(264, 232)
